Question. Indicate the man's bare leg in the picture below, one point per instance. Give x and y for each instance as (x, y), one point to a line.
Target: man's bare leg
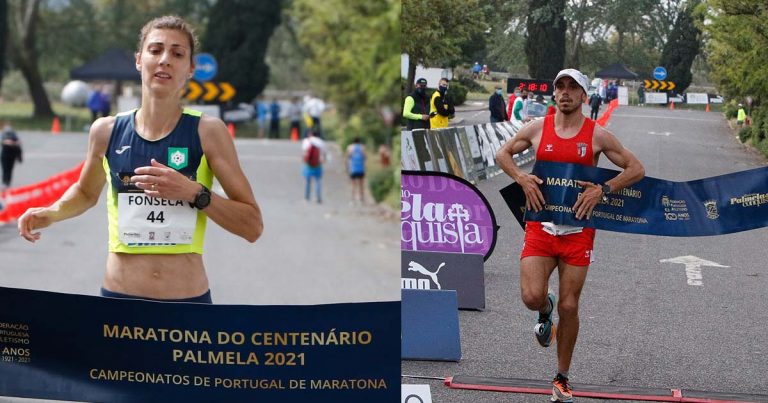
(534, 281)
(571, 282)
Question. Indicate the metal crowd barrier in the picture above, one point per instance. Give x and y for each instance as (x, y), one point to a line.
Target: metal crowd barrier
(467, 151)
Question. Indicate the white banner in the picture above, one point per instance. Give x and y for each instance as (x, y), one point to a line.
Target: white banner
(655, 97)
(623, 96)
(697, 98)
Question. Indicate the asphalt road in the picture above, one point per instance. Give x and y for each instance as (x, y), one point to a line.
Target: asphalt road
(642, 325)
(308, 254)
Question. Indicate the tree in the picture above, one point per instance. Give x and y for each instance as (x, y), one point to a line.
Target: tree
(3, 36)
(545, 46)
(434, 31)
(23, 46)
(681, 48)
(237, 34)
(353, 57)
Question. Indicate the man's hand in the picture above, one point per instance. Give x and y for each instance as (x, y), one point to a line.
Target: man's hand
(534, 199)
(588, 199)
(424, 117)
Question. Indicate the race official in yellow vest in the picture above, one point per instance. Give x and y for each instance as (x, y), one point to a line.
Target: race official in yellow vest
(441, 106)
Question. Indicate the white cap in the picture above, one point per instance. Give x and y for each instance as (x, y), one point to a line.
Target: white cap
(578, 76)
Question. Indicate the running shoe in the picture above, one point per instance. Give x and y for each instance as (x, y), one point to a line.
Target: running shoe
(545, 329)
(561, 390)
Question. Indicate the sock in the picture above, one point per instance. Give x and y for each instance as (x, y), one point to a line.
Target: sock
(563, 373)
(548, 310)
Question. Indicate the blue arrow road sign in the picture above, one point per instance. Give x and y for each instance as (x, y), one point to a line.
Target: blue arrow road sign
(659, 73)
(205, 67)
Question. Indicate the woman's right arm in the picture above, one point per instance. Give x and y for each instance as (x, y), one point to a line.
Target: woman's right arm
(82, 195)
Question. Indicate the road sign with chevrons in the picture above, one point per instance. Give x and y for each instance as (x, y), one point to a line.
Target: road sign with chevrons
(209, 91)
(659, 85)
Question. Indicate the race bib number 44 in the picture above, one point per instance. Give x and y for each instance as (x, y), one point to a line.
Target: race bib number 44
(148, 221)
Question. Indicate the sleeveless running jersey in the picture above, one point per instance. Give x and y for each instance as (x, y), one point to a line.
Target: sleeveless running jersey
(576, 150)
(142, 224)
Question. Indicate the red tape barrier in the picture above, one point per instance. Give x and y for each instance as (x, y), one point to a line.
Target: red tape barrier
(15, 201)
(603, 120)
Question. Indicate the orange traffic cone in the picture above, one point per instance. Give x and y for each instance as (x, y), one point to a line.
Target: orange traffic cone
(231, 128)
(672, 105)
(55, 125)
(707, 110)
(294, 134)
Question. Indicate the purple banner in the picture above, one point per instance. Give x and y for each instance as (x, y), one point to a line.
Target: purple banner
(445, 213)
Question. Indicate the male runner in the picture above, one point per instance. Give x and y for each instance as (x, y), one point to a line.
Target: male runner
(561, 138)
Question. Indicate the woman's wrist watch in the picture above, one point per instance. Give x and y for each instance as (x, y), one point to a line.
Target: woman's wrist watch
(202, 198)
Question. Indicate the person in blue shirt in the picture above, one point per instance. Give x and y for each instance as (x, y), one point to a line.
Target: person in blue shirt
(274, 120)
(356, 156)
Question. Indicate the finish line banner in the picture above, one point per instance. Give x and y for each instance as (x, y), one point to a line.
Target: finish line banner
(713, 206)
(76, 347)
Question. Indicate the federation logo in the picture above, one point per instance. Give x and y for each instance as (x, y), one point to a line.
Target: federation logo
(177, 157)
(711, 207)
(581, 148)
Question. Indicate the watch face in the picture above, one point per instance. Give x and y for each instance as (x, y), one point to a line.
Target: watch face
(203, 200)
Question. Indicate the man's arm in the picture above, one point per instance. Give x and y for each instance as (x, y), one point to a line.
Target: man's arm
(517, 111)
(407, 110)
(633, 171)
(439, 106)
(534, 199)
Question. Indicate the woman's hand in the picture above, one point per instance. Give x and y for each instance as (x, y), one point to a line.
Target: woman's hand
(158, 180)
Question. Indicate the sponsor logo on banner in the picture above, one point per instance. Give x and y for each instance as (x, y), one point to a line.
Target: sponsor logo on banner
(751, 200)
(445, 213)
(415, 266)
(439, 271)
(711, 207)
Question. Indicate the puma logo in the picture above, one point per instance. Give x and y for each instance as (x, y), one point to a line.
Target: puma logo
(122, 150)
(414, 266)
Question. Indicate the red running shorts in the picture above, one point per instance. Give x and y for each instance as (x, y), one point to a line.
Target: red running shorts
(573, 249)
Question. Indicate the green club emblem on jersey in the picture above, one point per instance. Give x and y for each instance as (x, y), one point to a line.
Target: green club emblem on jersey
(178, 158)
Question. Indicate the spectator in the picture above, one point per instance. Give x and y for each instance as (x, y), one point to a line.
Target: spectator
(497, 107)
(105, 102)
(441, 106)
(356, 169)
(741, 116)
(294, 115)
(511, 103)
(94, 102)
(476, 70)
(313, 148)
(641, 95)
(274, 121)
(10, 153)
(520, 110)
(260, 107)
(486, 72)
(594, 103)
(314, 107)
(416, 107)
(384, 155)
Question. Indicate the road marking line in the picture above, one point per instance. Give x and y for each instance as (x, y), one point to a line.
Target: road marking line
(666, 117)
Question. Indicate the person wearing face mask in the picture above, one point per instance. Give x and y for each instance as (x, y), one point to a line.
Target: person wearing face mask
(441, 106)
(158, 163)
(520, 110)
(497, 106)
(416, 107)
